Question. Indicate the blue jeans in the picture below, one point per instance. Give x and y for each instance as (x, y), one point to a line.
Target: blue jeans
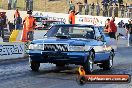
(129, 39)
(18, 26)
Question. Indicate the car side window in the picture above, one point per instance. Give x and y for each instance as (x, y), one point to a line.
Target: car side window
(97, 32)
(98, 35)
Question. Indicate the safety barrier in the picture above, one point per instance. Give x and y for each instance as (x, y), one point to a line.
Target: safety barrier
(13, 36)
(12, 50)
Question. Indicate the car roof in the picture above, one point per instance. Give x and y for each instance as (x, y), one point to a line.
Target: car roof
(52, 20)
(77, 25)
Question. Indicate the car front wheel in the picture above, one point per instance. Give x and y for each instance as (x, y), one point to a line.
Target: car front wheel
(107, 65)
(88, 66)
(34, 66)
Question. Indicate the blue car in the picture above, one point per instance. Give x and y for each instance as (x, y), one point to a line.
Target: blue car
(72, 44)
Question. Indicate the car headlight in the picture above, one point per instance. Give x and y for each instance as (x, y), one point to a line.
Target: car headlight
(36, 46)
(76, 48)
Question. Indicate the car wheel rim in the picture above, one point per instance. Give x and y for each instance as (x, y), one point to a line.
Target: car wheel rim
(111, 61)
(91, 62)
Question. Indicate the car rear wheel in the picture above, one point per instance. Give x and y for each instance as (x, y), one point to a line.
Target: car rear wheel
(88, 66)
(34, 66)
(107, 65)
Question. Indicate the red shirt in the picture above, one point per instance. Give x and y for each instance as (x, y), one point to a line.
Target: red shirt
(112, 27)
(72, 17)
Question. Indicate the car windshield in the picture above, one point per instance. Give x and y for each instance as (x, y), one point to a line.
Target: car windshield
(71, 31)
(48, 24)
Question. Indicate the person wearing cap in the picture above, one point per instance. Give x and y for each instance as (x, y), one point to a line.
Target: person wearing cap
(29, 25)
(129, 32)
(112, 29)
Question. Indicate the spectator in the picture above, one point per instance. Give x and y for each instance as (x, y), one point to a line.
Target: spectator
(18, 22)
(11, 26)
(9, 4)
(72, 17)
(31, 5)
(121, 24)
(79, 9)
(1, 26)
(92, 9)
(122, 10)
(27, 4)
(86, 7)
(105, 6)
(16, 15)
(97, 9)
(14, 4)
(126, 10)
(111, 10)
(116, 10)
(29, 25)
(129, 32)
(71, 6)
(112, 28)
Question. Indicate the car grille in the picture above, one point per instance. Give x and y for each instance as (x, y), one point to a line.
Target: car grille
(55, 47)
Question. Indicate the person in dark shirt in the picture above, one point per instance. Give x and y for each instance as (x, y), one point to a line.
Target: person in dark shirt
(129, 32)
(1, 26)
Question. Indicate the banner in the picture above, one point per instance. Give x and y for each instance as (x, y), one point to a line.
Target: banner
(12, 50)
(80, 19)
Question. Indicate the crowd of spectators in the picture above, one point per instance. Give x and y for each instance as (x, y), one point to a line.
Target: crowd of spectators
(105, 9)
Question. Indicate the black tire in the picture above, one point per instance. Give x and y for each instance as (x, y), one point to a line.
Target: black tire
(88, 66)
(34, 66)
(107, 65)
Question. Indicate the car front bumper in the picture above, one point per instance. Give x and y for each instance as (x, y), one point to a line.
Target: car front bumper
(58, 57)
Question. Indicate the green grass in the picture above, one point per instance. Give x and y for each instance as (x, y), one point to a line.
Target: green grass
(56, 6)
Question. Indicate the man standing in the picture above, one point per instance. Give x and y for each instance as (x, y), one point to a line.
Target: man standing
(116, 10)
(1, 26)
(31, 5)
(129, 32)
(9, 4)
(14, 4)
(18, 22)
(112, 28)
(72, 17)
(16, 15)
(97, 9)
(27, 4)
(71, 6)
(86, 7)
(29, 25)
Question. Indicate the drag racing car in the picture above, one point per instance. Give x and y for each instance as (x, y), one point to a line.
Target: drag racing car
(77, 44)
